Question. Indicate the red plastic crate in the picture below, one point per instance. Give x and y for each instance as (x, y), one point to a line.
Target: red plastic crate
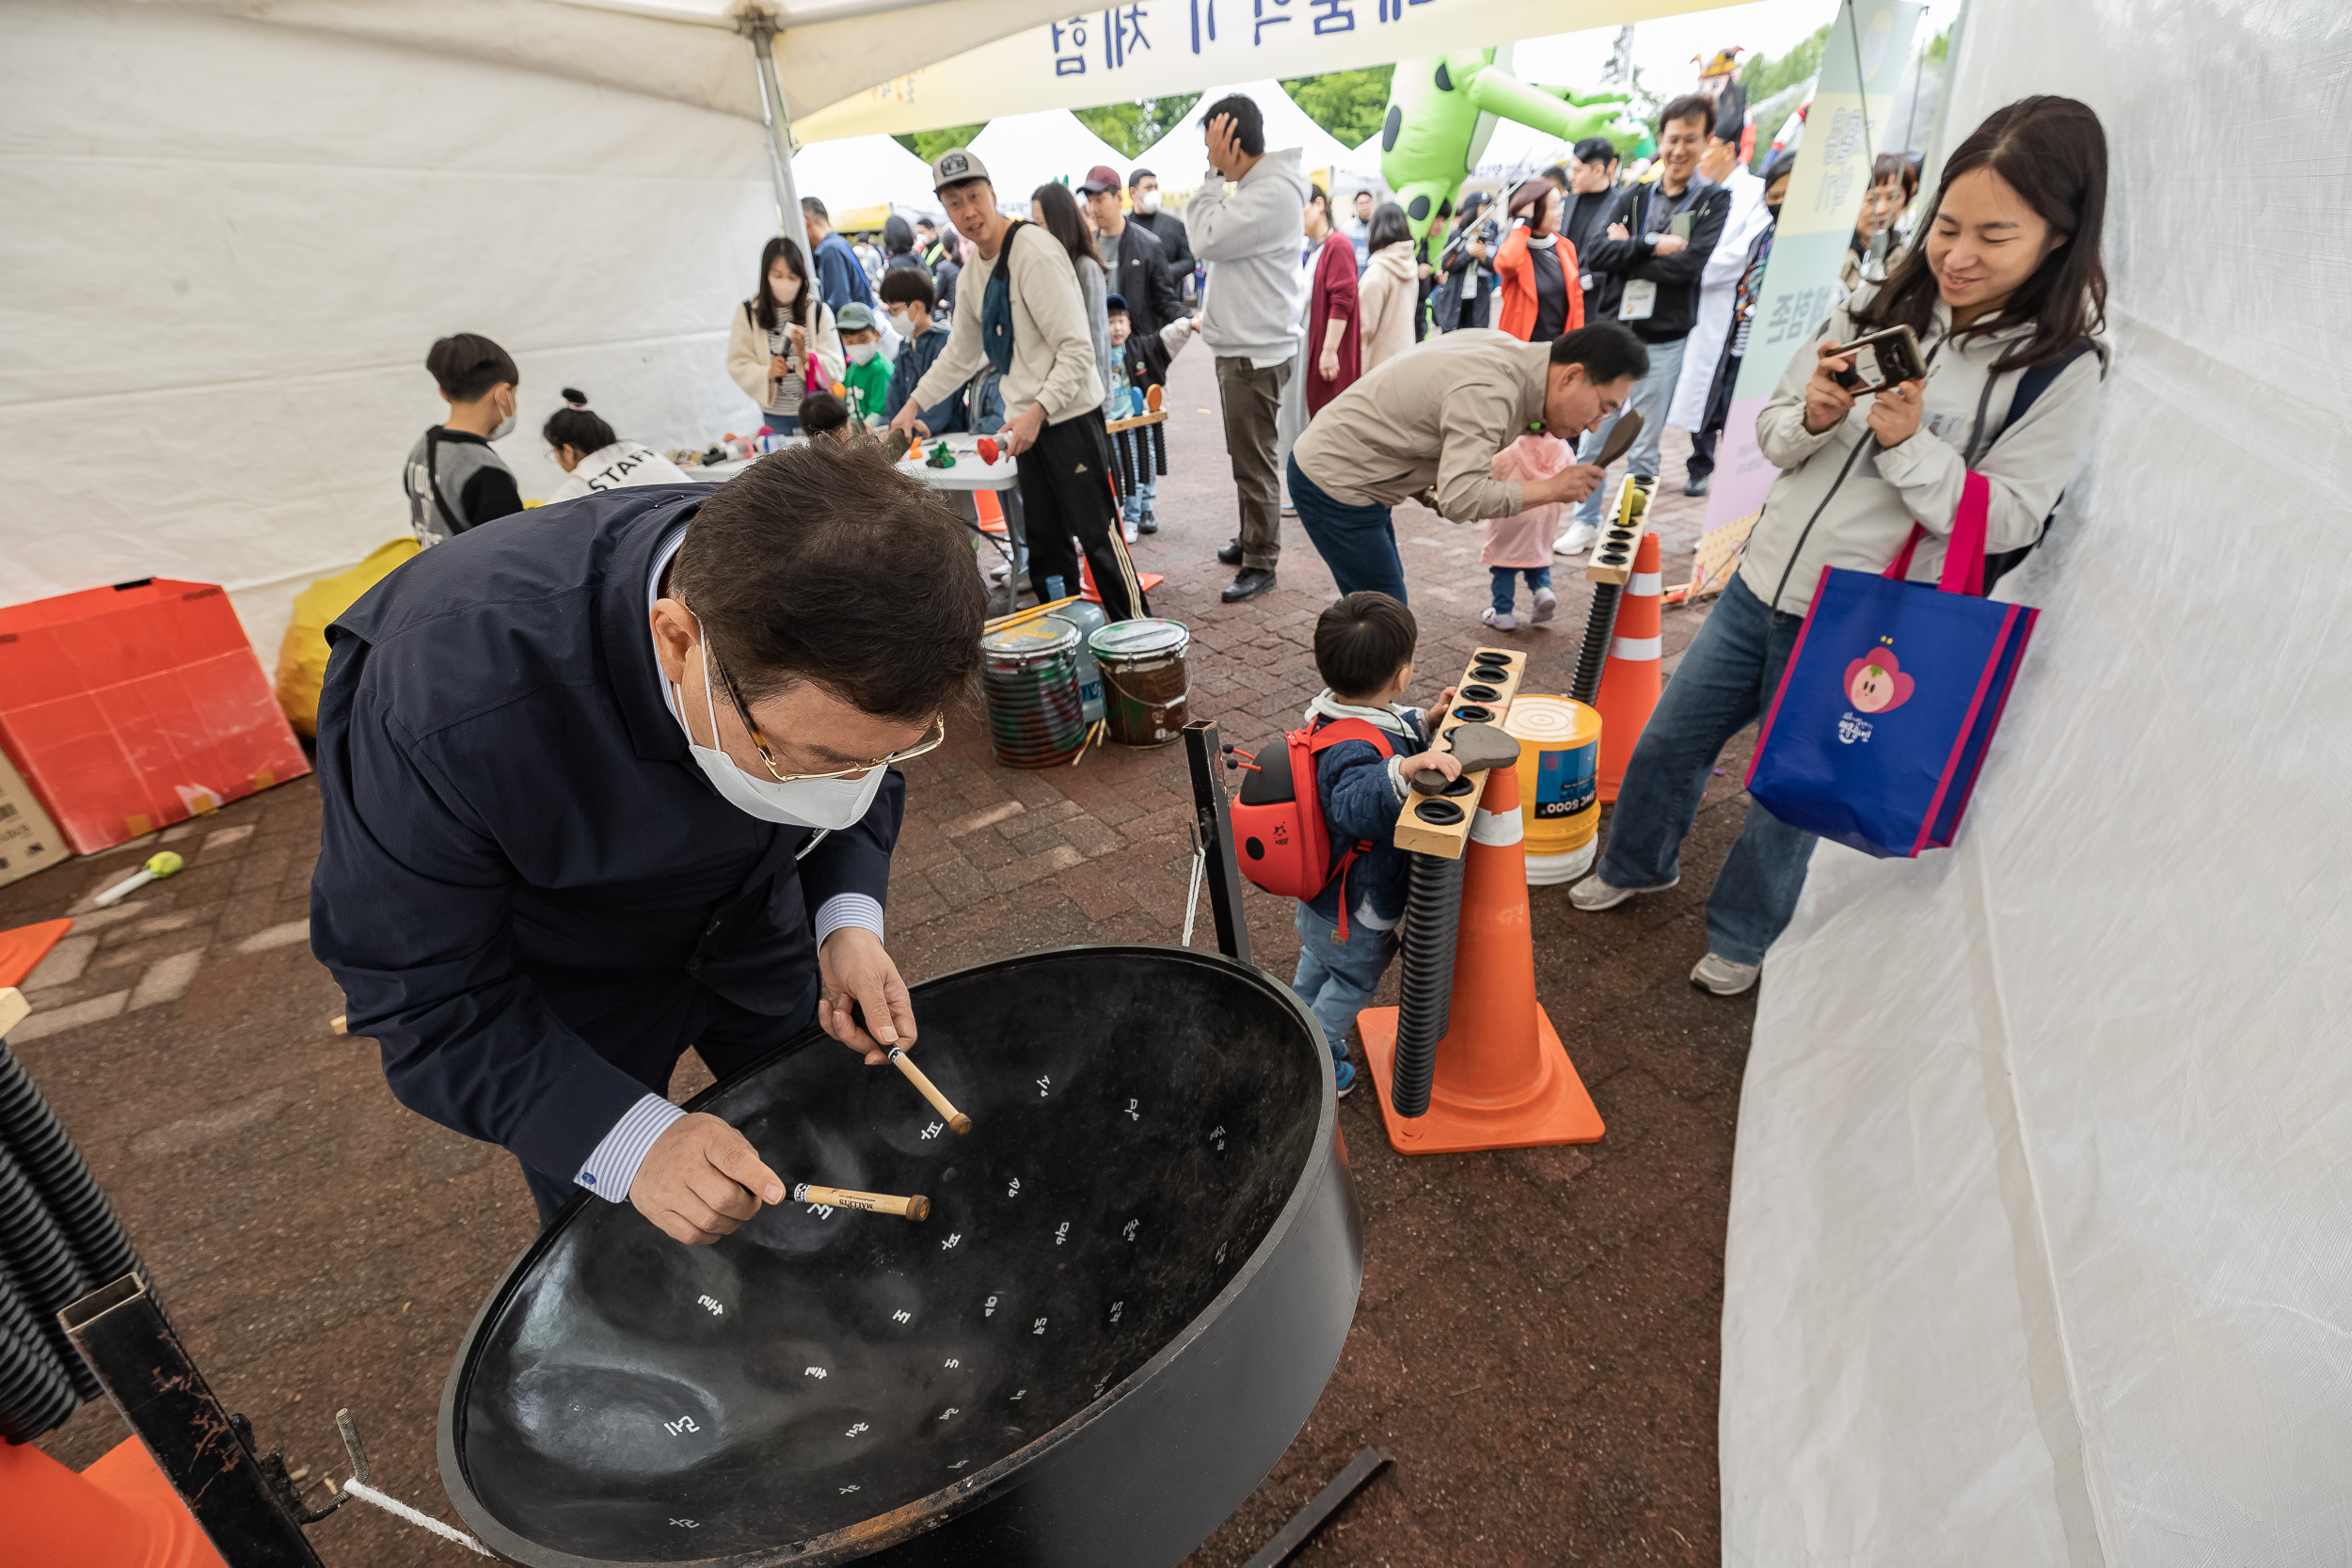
(136, 705)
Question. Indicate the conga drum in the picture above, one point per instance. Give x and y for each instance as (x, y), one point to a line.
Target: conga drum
(1134, 1280)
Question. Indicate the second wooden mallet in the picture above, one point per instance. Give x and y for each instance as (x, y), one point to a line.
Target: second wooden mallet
(957, 1121)
(917, 1207)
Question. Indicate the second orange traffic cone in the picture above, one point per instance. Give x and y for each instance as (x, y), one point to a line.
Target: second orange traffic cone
(1502, 1078)
(1631, 681)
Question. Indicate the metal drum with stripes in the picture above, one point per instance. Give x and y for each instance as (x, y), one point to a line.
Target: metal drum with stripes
(1029, 674)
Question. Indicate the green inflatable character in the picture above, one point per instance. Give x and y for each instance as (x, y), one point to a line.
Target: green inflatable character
(1442, 110)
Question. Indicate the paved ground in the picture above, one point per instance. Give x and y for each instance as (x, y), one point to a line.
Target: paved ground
(1536, 1339)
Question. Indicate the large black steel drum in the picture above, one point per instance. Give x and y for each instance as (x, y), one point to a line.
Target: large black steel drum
(1135, 1281)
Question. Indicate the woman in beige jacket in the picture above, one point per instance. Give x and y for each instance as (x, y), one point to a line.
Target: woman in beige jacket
(775, 335)
(1389, 291)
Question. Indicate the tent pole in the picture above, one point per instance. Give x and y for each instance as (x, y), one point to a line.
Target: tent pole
(761, 29)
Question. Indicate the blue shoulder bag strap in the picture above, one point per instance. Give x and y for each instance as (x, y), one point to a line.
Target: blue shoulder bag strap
(2036, 380)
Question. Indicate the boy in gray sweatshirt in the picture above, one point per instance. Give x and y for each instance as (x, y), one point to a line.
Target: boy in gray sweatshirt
(1249, 315)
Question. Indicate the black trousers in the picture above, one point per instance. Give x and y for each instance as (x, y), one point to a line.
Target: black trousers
(654, 1031)
(1066, 491)
(1711, 421)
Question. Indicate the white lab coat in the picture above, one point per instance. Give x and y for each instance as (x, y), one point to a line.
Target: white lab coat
(1716, 283)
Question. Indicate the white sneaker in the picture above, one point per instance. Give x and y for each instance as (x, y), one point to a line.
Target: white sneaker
(1723, 977)
(1127, 531)
(1500, 619)
(1577, 540)
(1592, 893)
(1547, 605)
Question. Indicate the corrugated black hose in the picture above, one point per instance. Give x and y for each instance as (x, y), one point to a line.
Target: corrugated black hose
(1601, 626)
(30, 1129)
(42, 1272)
(1433, 917)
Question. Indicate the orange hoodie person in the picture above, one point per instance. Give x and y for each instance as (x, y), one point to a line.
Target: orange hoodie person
(1537, 295)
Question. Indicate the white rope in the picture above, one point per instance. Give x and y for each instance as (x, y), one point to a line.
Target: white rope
(1192, 895)
(367, 1494)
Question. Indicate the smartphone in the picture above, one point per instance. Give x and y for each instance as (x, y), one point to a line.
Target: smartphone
(1882, 359)
(1680, 225)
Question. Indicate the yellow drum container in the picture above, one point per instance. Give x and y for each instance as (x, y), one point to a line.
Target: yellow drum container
(1558, 801)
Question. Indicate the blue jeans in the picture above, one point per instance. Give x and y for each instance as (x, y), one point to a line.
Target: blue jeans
(1506, 583)
(1653, 395)
(1727, 678)
(1139, 500)
(1336, 979)
(1358, 543)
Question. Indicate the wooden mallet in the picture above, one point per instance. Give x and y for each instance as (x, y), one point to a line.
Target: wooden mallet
(915, 1206)
(958, 1122)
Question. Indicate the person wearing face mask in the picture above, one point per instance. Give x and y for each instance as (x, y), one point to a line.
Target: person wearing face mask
(907, 295)
(782, 342)
(868, 373)
(1143, 193)
(595, 794)
(454, 480)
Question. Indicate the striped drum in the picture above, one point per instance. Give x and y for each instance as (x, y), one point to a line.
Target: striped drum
(1031, 675)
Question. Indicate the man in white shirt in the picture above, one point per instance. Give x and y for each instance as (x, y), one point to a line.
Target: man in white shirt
(1250, 316)
(1720, 162)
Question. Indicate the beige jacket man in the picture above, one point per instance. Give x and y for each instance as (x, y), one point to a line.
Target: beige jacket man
(1052, 347)
(1435, 415)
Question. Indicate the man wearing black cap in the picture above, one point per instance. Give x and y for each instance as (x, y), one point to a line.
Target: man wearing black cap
(1138, 265)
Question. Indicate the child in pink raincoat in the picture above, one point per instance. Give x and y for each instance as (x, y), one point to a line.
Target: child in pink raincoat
(1523, 543)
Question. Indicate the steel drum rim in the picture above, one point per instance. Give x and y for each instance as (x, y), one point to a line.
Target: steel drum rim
(967, 1494)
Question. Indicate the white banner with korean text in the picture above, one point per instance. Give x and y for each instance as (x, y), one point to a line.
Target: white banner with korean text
(1173, 46)
(1869, 50)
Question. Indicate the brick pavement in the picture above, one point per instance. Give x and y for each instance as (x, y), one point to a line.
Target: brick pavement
(1537, 1332)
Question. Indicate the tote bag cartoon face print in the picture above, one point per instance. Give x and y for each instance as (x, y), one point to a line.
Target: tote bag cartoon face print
(1879, 748)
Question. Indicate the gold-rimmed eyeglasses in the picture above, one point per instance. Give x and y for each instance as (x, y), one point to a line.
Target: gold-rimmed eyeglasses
(768, 758)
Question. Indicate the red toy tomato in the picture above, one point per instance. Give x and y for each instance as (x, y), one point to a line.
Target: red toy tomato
(987, 449)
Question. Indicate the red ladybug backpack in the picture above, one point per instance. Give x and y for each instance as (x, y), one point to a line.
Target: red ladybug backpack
(1284, 844)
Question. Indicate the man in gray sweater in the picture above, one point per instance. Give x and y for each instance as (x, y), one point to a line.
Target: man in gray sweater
(1249, 315)
(1433, 419)
(1022, 313)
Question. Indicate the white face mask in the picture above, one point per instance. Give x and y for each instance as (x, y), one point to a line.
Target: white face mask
(505, 428)
(786, 290)
(900, 324)
(860, 352)
(1147, 201)
(825, 803)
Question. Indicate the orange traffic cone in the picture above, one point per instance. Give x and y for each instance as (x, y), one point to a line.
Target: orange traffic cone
(991, 514)
(1630, 682)
(1502, 1078)
(22, 949)
(121, 1513)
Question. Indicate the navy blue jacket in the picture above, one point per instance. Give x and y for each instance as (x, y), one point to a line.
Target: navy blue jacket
(1359, 803)
(914, 357)
(518, 849)
(839, 278)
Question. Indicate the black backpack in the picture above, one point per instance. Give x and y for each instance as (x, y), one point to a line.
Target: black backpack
(2036, 381)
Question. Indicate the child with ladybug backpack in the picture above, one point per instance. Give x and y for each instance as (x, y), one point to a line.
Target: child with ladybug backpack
(1333, 846)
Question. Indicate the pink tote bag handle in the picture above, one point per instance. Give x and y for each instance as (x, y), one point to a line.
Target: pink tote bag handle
(1963, 552)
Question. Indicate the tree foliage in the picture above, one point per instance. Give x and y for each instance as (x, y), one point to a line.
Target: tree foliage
(1766, 75)
(1347, 104)
(928, 145)
(1134, 126)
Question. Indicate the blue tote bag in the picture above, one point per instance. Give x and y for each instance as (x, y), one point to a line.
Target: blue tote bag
(1890, 698)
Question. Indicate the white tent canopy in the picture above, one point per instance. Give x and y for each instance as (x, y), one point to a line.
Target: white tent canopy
(1051, 146)
(1180, 157)
(864, 171)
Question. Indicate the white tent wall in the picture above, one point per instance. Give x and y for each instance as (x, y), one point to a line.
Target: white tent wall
(1180, 157)
(2039, 1250)
(231, 245)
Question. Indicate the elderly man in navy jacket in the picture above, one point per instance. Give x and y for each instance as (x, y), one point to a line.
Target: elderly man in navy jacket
(611, 778)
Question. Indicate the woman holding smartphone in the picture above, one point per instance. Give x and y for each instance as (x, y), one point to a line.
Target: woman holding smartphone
(2003, 292)
(779, 335)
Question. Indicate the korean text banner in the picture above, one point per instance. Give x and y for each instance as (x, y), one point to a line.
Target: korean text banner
(1174, 46)
(1869, 47)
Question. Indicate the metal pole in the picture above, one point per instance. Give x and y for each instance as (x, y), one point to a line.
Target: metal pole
(1215, 820)
(247, 1505)
(761, 30)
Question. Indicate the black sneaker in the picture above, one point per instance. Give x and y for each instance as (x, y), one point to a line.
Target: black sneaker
(1248, 585)
(1147, 523)
(1696, 485)
(1231, 554)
